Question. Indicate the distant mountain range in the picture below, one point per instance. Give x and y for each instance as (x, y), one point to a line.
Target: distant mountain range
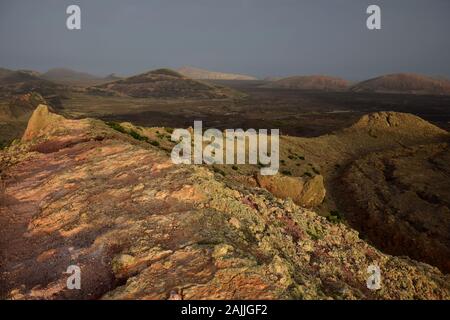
(202, 74)
(112, 77)
(408, 83)
(187, 80)
(72, 77)
(405, 83)
(4, 72)
(67, 75)
(24, 81)
(314, 82)
(163, 83)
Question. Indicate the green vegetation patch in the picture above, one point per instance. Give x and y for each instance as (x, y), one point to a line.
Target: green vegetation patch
(168, 130)
(335, 216)
(116, 126)
(132, 133)
(137, 136)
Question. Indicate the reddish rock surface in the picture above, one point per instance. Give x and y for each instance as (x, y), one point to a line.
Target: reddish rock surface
(139, 227)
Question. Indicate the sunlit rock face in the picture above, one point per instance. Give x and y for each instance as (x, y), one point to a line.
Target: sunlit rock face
(76, 192)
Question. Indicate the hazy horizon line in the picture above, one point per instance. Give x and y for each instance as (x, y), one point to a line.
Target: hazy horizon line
(144, 70)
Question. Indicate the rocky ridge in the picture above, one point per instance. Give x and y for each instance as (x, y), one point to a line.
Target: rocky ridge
(387, 175)
(140, 227)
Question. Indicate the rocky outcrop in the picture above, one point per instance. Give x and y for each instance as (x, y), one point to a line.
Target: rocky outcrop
(140, 227)
(304, 192)
(40, 122)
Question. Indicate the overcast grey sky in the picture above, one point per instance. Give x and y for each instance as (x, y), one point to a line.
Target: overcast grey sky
(257, 37)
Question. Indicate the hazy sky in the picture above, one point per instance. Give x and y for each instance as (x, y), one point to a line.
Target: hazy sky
(257, 37)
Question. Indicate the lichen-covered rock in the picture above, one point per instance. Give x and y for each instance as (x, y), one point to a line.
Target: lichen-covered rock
(140, 227)
(304, 192)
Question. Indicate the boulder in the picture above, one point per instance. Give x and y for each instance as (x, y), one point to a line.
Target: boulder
(304, 192)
